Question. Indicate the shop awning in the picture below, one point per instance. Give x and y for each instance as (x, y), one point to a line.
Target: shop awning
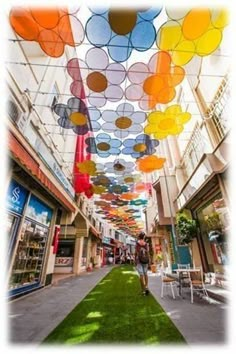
(116, 243)
(95, 232)
(27, 160)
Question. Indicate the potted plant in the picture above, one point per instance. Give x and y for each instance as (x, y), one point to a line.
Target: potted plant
(186, 230)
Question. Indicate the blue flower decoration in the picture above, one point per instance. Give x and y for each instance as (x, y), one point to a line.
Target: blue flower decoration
(77, 116)
(138, 202)
(118, 189)
(122, 30)
(103, 145)
(140, 146)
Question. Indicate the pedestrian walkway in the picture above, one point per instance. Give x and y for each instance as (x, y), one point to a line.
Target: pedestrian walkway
(33, 317)
(203, 322)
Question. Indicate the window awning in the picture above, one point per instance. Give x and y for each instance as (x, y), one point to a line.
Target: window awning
(94, 232)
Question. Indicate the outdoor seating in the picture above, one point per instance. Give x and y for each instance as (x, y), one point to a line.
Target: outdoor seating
(167, 282)
(183, 276)
(196, 282)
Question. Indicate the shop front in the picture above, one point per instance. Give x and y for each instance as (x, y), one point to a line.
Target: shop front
(65, 256)
(205, 195)
(17, 197)
(30, 246)
(108, 251)
(213, 217)
(95, 260)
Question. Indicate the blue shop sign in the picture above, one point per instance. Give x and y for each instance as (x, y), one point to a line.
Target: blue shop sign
(106, 240)
(16, 197)
(39, 211)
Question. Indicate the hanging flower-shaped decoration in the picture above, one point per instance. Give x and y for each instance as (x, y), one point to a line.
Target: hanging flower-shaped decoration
(103, 212)
(132, 211)
(141, 187)
(150, 163)
(76, 116)
(170, 122)
(99, 189)
(191, 32)
(129, 196)
(50, 27)
(122, 30)
(103, 145)
(101, 203)
(88, 167)
(119, 202)
(123, 121)
(118, 189)
(119, 167)
(100, 79)
(140, 146)
(130, 179)
(108, 196)
(138, 202)
(101, 180)
(155, 82)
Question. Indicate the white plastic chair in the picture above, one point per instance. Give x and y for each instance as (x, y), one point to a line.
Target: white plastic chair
(184, 276)
(196, 282)
(167, 282)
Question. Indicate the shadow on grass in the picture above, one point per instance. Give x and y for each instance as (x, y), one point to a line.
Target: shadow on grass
(115, 312)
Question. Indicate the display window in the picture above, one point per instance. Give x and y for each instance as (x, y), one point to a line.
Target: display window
(32, 241)
(16, 200)
(29, 257)
(84, 252)
(214, 224)
(65, 253)
(12, 222)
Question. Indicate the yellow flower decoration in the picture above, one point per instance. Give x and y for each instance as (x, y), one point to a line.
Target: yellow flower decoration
(150, 163)
(98, 189)
(170, 122)
(88, 167)
(196, 32)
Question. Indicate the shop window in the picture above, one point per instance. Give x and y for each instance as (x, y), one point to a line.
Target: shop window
(84, 252)
(66, 248)
(214, 223)
(29, 258)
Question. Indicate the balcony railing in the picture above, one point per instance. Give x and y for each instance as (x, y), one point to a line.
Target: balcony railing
(193, 152)
(219, 109)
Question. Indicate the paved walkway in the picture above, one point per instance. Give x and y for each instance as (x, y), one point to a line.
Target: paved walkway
(34, 316)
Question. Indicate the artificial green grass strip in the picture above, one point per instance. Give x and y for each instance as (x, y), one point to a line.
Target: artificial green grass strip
(115, 312)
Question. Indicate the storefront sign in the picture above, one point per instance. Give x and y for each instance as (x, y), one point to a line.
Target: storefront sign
(39, 211)
(106, 240)
(64, 261)
(47, 156)
(16, 197)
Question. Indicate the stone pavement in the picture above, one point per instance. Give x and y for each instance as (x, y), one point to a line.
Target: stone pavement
(203, 322)
(33, 317)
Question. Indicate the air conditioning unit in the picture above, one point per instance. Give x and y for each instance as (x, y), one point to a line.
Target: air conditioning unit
(13, 111)
(16, 114)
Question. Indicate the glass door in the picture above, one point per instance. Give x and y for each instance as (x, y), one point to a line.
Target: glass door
(12, 223)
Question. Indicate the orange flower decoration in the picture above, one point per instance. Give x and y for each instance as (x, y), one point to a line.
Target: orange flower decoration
(150, 163)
